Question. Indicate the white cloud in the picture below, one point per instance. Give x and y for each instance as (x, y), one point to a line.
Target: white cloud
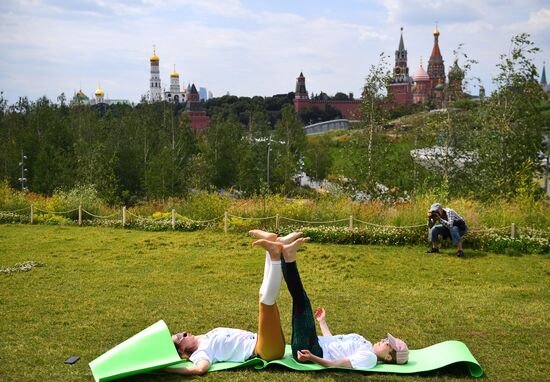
(539, 20)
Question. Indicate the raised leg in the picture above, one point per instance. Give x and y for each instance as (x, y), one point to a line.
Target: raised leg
(304, 334)
(271, 343)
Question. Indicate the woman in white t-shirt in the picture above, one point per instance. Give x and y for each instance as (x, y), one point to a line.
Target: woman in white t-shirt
(226, 344)
(350, 350)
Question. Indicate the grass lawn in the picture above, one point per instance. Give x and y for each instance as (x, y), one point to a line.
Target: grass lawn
(101, 286)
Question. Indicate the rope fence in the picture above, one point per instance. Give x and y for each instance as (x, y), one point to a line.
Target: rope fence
(226, 218)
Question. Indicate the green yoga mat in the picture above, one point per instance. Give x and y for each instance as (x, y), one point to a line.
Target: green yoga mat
(431, 358)
(153, 349)
(150, 349)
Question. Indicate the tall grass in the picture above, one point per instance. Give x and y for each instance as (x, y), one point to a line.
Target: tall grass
(203, 206)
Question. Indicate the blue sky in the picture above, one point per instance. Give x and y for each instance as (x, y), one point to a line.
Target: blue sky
(245, 47)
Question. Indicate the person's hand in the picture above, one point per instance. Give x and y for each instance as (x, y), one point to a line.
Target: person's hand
(304, 355)
(320, 314)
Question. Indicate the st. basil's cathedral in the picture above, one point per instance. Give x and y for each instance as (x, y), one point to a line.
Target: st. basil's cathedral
(424, 86)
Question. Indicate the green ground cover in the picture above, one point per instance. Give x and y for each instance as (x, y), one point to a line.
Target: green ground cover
(100, 286)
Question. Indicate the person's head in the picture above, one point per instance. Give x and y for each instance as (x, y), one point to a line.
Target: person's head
(436, 207)
(391, 350)
(185, 343)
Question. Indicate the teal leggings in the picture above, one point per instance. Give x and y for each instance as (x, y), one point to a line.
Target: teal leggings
(304, 335)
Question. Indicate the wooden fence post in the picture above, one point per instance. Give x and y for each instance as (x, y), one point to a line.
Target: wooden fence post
(277, 222)
(124, 216)
(32, 213)
(351, 222)
(225, 222)
(513, 231)
(80, 214)
(173, 218)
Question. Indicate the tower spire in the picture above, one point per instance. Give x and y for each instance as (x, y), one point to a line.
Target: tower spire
(401, 44)
(543, 76)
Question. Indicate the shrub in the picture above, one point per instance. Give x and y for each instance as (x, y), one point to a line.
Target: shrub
(11, 217)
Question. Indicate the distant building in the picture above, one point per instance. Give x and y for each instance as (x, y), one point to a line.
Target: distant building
(202, 94)
(195, 110)
(155, 92)
(545, 87)
(210, 95)
(425, 86)
(99, 98)
(80, 98)
(350, 109)
(175, 94)
(400, 87)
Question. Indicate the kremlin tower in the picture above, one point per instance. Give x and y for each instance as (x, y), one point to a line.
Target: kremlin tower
(195, 110)
(350, 108)
(401, 84)
(155, 92)
(301, 92)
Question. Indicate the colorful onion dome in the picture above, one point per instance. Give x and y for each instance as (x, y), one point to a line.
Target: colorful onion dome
(421, 74)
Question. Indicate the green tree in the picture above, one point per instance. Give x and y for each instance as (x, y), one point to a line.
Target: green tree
(289, 143)
(223, 150)
(510, 136)
(317, 158)
(253, 161)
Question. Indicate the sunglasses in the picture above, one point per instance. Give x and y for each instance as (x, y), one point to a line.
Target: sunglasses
(181, 336)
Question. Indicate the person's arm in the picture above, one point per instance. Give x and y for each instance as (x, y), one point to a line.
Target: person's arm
(305, 355)
(199, 368)
(320, 316)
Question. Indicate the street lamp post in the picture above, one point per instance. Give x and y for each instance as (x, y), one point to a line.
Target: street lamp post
(23, 179)
(269, 140)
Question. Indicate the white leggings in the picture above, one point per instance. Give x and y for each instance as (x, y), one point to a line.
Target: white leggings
(271, 284)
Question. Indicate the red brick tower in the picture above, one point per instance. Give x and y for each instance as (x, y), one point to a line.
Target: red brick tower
(400, 87)
(195, 110)
(301, 92)
(436, 66)
(301, 98)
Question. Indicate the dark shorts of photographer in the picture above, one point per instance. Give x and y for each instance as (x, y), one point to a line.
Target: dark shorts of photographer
(455, 233)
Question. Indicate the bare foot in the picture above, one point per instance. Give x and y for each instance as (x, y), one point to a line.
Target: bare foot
(289, 238)
(272, 247)
(259, 234)
(289, 250)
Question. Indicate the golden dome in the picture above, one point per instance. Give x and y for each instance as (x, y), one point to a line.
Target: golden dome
(99, 92)
(154, 57)
(174, 73)
(436, 30)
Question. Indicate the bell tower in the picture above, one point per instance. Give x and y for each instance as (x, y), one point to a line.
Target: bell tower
(154, 83)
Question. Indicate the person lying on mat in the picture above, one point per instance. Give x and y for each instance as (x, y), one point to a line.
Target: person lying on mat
(225, 344)
(349, 350)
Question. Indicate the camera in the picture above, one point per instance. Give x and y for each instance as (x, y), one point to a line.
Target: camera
(434, 215)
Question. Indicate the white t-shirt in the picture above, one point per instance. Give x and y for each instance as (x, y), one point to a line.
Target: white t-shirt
(351, 346)
(225, 344)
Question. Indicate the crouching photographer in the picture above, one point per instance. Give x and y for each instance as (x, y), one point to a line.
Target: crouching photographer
(446, 223)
